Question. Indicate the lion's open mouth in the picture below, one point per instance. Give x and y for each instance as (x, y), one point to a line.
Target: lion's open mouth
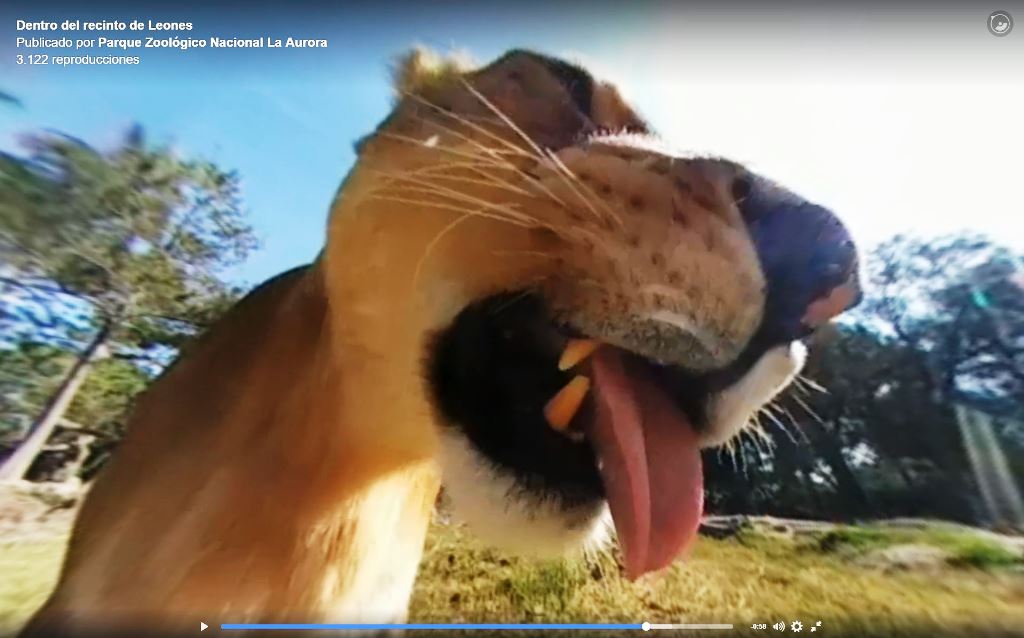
(579, 420)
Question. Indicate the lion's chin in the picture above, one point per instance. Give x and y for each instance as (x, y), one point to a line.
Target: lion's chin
(498, 509)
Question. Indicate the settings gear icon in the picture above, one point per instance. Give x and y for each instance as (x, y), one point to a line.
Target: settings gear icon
(796, 625)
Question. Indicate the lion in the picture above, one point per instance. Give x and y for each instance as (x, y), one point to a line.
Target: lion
(523, 295)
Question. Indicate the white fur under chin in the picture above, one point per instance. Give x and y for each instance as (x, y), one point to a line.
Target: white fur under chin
(489, 502)
(732, 409)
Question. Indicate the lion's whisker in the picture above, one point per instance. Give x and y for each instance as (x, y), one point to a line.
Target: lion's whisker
(782, 426)
(812, 384)
(443, 206)
(489, 180)
(770, 407)
(458, 117)
(799, 387)
(542, 153)
(571, 180)
(785, 430)
(532, 253)
(399, 183)
(505, 119)
(567, 176)
(789, 414)
(730, 447)
(476, 167)
(756, 440)
(429, 188)
(513, 150)
(506, 209)
(493, 161)
(808, 408)
(516, 149)
(437, 147)
(743, 461)
(522, 294)
(761, 432)
(574, 179)
(391, 178)
(436, 240)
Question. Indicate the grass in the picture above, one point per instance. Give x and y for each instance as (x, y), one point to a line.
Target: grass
(754, 577)
(985, 555)
(750, 578)
(964, 548)
(27, 571)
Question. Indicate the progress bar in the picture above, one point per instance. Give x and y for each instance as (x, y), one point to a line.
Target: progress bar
(689, 626)
(646, 626)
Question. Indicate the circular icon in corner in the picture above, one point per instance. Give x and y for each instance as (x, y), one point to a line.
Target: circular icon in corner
(1000, 23)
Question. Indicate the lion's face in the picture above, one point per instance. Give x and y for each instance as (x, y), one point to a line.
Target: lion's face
(589, 311)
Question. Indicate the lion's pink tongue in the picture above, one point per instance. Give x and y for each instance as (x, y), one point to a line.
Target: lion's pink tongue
(649, 461)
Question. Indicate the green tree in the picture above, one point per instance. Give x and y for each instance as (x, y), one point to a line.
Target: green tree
(959, 303)
(116, 254)
(31, 371)
(28, 370)
(943, 324)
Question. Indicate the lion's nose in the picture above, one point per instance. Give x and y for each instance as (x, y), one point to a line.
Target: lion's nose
(835, 274)
(837, 286)
(809, 260)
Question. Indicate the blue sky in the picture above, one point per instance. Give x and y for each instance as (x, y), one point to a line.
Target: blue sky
(850, 115)
(285, 119)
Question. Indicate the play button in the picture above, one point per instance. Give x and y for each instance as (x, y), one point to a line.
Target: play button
(203, 626)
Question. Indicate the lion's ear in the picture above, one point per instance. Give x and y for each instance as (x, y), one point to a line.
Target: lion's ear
(420, 69)
(554, 102)
(599, 102)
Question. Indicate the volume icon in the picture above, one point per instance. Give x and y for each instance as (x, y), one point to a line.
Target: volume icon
(779, 626)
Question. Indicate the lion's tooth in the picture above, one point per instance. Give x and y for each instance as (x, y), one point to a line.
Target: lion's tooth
(576, 350)
(563, 406)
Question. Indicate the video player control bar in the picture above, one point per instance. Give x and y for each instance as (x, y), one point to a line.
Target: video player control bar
(645, 626)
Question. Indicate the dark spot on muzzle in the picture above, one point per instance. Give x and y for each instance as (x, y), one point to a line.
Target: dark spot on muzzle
(807, 256)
